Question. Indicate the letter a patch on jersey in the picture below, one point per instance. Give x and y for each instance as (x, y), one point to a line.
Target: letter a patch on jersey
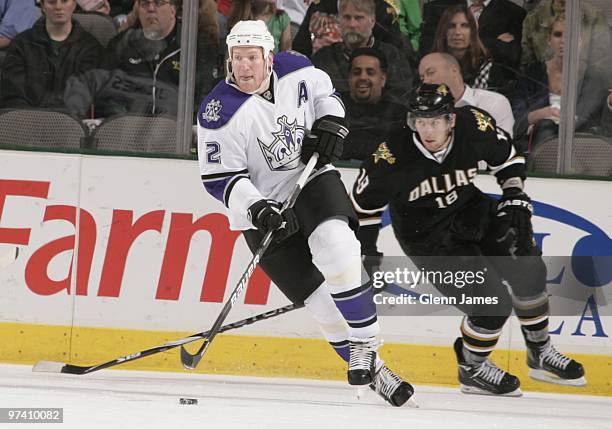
(302, 93)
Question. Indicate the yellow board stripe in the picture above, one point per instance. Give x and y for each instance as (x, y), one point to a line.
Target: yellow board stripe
(267, 356)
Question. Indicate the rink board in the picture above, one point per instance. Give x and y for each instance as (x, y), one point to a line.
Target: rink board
(152, 259)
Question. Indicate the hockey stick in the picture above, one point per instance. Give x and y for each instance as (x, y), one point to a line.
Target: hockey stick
(190, 361)
(66, 368)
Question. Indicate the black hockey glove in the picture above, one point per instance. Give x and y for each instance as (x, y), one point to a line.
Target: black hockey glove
(515, 232)
(266, 215)
(326, 138)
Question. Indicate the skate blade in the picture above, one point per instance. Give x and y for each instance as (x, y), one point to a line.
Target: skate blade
(361, 391)
(471, 390)
(547, 377)
(412, 403)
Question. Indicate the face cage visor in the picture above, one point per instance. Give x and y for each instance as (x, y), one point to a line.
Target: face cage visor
(435, 120)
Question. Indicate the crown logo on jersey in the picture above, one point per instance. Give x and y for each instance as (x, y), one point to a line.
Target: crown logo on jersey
(211, 112)
(283, 152)
(483, 121)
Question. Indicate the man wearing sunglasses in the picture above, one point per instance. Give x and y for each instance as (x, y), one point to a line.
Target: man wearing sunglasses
(444, 223)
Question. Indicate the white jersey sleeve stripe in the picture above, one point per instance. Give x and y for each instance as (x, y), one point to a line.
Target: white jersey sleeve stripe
(217, 176)
(513, 158)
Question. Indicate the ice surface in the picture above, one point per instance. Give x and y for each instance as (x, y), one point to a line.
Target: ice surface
(133, 399)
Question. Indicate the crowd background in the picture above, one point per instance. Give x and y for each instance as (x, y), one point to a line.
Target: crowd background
(129, 75)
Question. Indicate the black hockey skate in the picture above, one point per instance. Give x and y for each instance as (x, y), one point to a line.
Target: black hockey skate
(362, 361)
(391, 387)
(547, 364)
(485, 378)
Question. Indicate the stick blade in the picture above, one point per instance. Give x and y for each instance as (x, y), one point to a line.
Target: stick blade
(60, 367)
(188, 360)
(48, 366)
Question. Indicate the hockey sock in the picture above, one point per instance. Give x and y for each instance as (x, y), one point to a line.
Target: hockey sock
(342, 348)
(478, 341)
(532, 313)
(358, 309)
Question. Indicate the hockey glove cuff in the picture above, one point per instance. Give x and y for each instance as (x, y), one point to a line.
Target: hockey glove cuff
(514, 212)
(266, 215)
(326, 138)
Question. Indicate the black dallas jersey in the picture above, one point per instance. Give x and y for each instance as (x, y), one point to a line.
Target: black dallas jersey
(425, 190)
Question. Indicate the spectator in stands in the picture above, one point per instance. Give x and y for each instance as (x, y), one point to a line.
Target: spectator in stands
(40, 60)
(223, 13)
(210, 57)
(594, 34)
(537, 102)
(444, 68)
(409, 14)
(140, 71)
(500, 24)
(296, 9)
(98, 6)
(372, 117)
(457, 34)
(386, 29)
(276, 20)
(16, 16)
(357, 19)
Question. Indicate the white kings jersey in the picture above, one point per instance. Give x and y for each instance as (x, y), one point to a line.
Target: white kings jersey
(248, 147)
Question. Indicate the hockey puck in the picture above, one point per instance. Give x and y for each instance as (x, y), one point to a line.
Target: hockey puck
(188, 401)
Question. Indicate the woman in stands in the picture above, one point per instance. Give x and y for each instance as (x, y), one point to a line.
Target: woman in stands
(537, 101)
(277, 21)
(457, 34)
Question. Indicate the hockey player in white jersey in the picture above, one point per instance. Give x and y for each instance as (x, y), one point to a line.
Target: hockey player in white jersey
(256, 131)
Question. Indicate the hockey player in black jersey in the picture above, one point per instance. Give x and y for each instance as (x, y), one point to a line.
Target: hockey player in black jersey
(425, 173)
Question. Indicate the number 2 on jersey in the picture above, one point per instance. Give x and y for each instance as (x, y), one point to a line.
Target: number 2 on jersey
(213, 153)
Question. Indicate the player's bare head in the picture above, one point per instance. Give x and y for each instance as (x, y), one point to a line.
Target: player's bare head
(356, 21)
(367, 75)
(250, 56)
(58, 12)
(431, 115)
(157, 17)
(440, 67)
(555, 36)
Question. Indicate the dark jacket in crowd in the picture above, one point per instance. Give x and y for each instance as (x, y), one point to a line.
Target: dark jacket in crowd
(370, 125)
(606, 120)
(386, 28)
(137, 76)
(532, 93)
(115, 92)
(35, 70)
(334, 60)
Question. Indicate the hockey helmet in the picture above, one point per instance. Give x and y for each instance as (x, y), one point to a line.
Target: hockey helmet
(250, 33)
(430, 100)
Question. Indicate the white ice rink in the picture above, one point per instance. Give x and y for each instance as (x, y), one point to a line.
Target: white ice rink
(130, 399)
